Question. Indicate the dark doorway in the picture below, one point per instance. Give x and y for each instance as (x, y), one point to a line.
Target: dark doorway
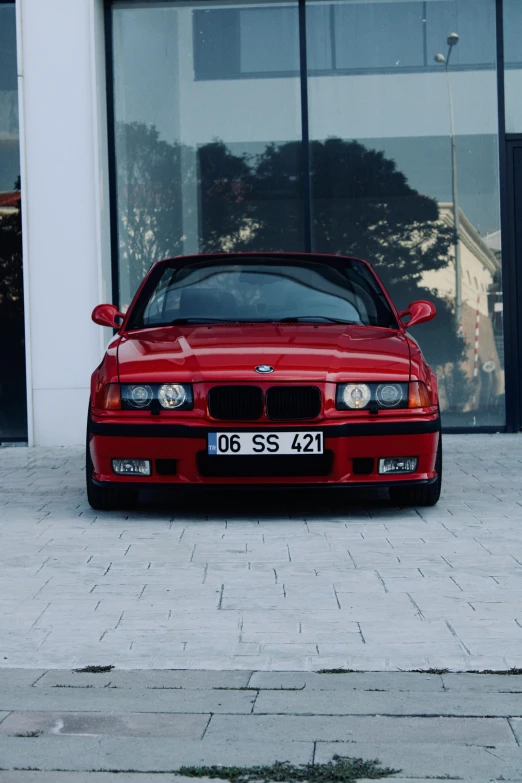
(514, 221)
(13, 401)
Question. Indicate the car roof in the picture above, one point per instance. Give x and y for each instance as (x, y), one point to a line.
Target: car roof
(260, 254)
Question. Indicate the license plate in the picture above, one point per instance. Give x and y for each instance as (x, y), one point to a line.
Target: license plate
(230, 443)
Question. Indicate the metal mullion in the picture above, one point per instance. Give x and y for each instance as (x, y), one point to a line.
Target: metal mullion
(509, 270)
(111, 143)
(305, 132)
(511, 321)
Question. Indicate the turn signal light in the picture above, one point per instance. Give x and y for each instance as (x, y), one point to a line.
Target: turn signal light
(418, 396)
(108, 397)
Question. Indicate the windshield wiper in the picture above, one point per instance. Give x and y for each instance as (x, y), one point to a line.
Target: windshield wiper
(294, 319)
(201, 320)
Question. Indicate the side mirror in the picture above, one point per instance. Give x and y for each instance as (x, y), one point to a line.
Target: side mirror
(419, 312)
(106, 315)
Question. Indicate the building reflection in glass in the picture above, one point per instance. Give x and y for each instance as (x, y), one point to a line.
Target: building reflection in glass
(209, 154)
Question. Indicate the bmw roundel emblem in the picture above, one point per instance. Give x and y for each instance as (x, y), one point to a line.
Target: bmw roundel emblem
(264, 369)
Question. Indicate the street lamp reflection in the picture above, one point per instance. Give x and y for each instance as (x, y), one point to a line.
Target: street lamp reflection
(452, 41)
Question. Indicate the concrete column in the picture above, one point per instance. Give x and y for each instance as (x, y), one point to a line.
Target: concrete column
(65, 208)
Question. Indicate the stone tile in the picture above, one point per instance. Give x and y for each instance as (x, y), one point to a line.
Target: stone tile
(105, 724)
(182, 678)
(71, 679)
(386, 681)
(324, 728)
(123, 700)
(174, 679)
(483, 683)
(358, 702)
(137, 754)
(433, 760)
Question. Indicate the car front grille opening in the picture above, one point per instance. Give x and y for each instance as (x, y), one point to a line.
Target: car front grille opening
(264, 465)
(235, 403)
(293, 402)
(166, 467)
(363, 466)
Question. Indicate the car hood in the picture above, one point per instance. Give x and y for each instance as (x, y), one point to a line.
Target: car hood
(231, 352)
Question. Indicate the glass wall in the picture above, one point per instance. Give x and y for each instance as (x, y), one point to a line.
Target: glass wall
(386, 186)
(13, 410)
(403, 154)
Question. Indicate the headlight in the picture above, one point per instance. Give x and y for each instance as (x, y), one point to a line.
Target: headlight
(154, 396)
(389, 395)
(140, 396)
(172, 395)
(356, 395)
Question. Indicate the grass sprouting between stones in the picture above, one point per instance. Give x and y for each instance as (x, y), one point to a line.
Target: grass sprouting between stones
(94, 670)
(341, 769)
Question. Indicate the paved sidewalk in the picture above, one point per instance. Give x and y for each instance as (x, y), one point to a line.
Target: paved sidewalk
(463, 726)
(300, 581)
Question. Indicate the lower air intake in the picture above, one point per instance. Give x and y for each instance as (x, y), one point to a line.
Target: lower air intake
(264, 465)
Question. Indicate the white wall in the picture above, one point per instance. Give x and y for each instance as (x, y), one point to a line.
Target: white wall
(65, 208)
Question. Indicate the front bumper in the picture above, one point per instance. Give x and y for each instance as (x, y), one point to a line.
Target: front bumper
(183, 447)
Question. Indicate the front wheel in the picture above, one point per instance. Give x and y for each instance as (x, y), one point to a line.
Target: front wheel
(423, 495)
(107, 498)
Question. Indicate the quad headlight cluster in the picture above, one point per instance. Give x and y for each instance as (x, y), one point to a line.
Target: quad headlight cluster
(356, 396)
(171, 396)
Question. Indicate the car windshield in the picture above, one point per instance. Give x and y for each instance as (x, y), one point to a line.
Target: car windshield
(261, 290)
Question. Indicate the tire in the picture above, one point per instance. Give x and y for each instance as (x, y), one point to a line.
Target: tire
(107, 498)
(423, 495)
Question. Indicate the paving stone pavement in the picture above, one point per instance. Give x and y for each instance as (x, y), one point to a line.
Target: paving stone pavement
(265, 580)
(137, 726)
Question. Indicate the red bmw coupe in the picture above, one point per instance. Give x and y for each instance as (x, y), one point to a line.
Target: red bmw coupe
(263, 369)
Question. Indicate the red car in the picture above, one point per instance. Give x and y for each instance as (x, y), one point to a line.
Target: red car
(283, 369)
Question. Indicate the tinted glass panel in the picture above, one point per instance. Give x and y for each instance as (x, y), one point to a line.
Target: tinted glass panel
(472, 20)
(387, 187)
(394, 35)
(257, 26)
(197, 161)
(209, 153)
(241, 42)
(13, 414)
(513, 59)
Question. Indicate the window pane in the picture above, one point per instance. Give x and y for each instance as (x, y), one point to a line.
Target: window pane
(513, 59)
(216, 39)
(206, 159)
(393, 35)
(473, 20)
(13, 412)
(382, 184)
(320, 55)
(268, 43)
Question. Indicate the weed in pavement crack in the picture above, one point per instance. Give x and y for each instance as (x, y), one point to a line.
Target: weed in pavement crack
(341, 769)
